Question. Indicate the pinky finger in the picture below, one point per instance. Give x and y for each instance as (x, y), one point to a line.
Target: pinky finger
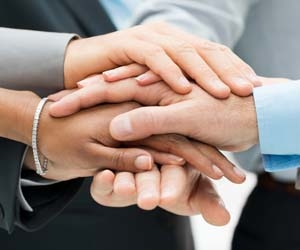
(124, 72)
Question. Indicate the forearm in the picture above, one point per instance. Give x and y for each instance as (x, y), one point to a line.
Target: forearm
(17, 111)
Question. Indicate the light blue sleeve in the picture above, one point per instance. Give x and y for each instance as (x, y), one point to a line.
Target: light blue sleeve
(278, 117)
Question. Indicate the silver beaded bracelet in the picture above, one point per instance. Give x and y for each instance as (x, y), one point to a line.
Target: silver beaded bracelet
(41, 169)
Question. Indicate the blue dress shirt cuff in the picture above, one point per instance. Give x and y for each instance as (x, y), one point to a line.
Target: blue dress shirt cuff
(278, 117)
(278, 113)
(280, 162)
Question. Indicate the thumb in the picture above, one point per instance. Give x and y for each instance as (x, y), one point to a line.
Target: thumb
(146, 121)
(126, 159)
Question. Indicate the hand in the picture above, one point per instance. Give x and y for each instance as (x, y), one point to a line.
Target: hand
(227, 124)
(80, 145)
(163, 50)
(177, 189)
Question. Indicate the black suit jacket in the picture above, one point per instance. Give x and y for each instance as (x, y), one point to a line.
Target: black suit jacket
(83, 223)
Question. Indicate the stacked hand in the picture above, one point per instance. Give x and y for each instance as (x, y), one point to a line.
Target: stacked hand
(166, 141)
(181, 190)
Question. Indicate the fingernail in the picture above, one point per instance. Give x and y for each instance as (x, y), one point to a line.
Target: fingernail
(174, 159)
(184, 82)
(143, 162)
(109, 72)
(141, 78)
(239, 172)
(121, 127)
(88, 81)
(218, 171)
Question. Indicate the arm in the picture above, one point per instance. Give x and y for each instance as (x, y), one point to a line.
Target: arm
(223, 21)
(216, 20)
(205, 21)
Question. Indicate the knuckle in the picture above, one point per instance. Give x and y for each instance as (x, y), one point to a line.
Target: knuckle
(205, 74)
(156, 51)
(183, 47)
(175, 141)
(118, 160)
(151, 119)
(244, 67)
(207, 45)
(223, 48)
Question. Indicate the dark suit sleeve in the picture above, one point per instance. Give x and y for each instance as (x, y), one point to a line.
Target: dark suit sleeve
(47, 201)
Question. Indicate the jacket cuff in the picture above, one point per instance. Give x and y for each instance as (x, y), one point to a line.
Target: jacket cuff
(33, 60)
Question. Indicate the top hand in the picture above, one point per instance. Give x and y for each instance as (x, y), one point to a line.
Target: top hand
(168, 52)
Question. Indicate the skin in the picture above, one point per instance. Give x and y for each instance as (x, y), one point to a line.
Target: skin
(227, 124)
(180, 190)
(168, 52)
(177, 189)
(78, 151)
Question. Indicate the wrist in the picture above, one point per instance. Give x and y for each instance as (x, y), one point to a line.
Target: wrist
(85, 57)
(17, 108)
(249, 121)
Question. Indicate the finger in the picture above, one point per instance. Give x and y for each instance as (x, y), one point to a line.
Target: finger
(209, 203)
(156, 58)
(181, 146)
(173, 183)
(124, 72)
(146, 121)
(102, 92)
(246, 70)
(148, 78)
(231, 172)
(103, 190)
(188, 59)
(163, 158)
(124, 185)
(89, 96)
(122, 159)
(102, 187)
(202, 45)
(148, 189)
(90, 80)
(194, 65)
(218, 57)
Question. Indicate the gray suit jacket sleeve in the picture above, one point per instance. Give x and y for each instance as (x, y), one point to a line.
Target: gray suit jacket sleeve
(217, 20)
(32, 60)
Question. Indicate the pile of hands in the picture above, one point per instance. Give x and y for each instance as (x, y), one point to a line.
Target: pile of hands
(145, 112)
